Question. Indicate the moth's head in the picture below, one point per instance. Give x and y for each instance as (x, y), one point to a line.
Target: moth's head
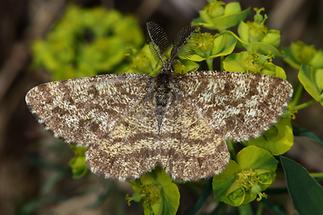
(167, 67)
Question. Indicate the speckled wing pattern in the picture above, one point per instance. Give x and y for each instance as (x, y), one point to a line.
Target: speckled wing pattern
(238, 106)
(187, 148)
(113, 116)
(87, 111)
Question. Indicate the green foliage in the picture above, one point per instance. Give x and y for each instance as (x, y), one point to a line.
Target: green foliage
(252, 62)
(300, 53)
(157, 192)
(87, 42)
(93, 41)
(256, 37)
(309, 61)
(205, 46)
(78, 162)
(245, 179)
(278, 139)
(220, 16)
(143, 62)
(185, 66)
(312, 81)
(306, 193)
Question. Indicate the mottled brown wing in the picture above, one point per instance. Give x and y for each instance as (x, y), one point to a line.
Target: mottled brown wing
(186, 146)
(132, 149)
(190, 149)
(86, 110)
(237, 106)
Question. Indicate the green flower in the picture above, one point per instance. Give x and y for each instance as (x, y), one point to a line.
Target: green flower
(157, 192)
(87, 42)
(300, 53)
(254, 63)
(309, 61)
(256, 36)
(220, 16)
(245, 179)
(206, 46)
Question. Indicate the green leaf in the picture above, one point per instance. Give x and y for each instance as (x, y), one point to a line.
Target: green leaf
(272, 37)
(220, 16)
(306, 193)
(312, 80)
(252, 157)
(222, 182)
(278, 139)
(143, 62)
(317, 60)
(157, 192)
(223, 45)
(306, 133)
(253, 63)
(185, 66)
(262, 48)
(227, 21)
(78, 162)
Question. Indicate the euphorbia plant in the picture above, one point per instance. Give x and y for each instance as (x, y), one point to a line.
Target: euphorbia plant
(239, 45)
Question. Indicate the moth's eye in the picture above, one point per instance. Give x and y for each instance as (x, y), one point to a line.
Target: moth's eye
(87, 35)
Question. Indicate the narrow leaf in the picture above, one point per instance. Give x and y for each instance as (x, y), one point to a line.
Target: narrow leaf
(306, 193)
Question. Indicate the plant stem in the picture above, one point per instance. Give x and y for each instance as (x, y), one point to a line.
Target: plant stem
(317, 175)
(260, 209)
(298, 94)
(201, 200)
(304, 105)
(245, 210)
(209, 64)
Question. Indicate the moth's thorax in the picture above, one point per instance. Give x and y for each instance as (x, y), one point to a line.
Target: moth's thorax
(162, 96)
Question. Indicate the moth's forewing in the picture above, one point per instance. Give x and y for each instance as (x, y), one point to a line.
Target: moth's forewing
(237, 106)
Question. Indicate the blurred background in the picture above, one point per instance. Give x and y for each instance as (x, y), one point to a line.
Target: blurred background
(34, 174)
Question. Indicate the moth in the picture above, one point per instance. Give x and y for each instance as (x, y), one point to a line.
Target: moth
(132, 123)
